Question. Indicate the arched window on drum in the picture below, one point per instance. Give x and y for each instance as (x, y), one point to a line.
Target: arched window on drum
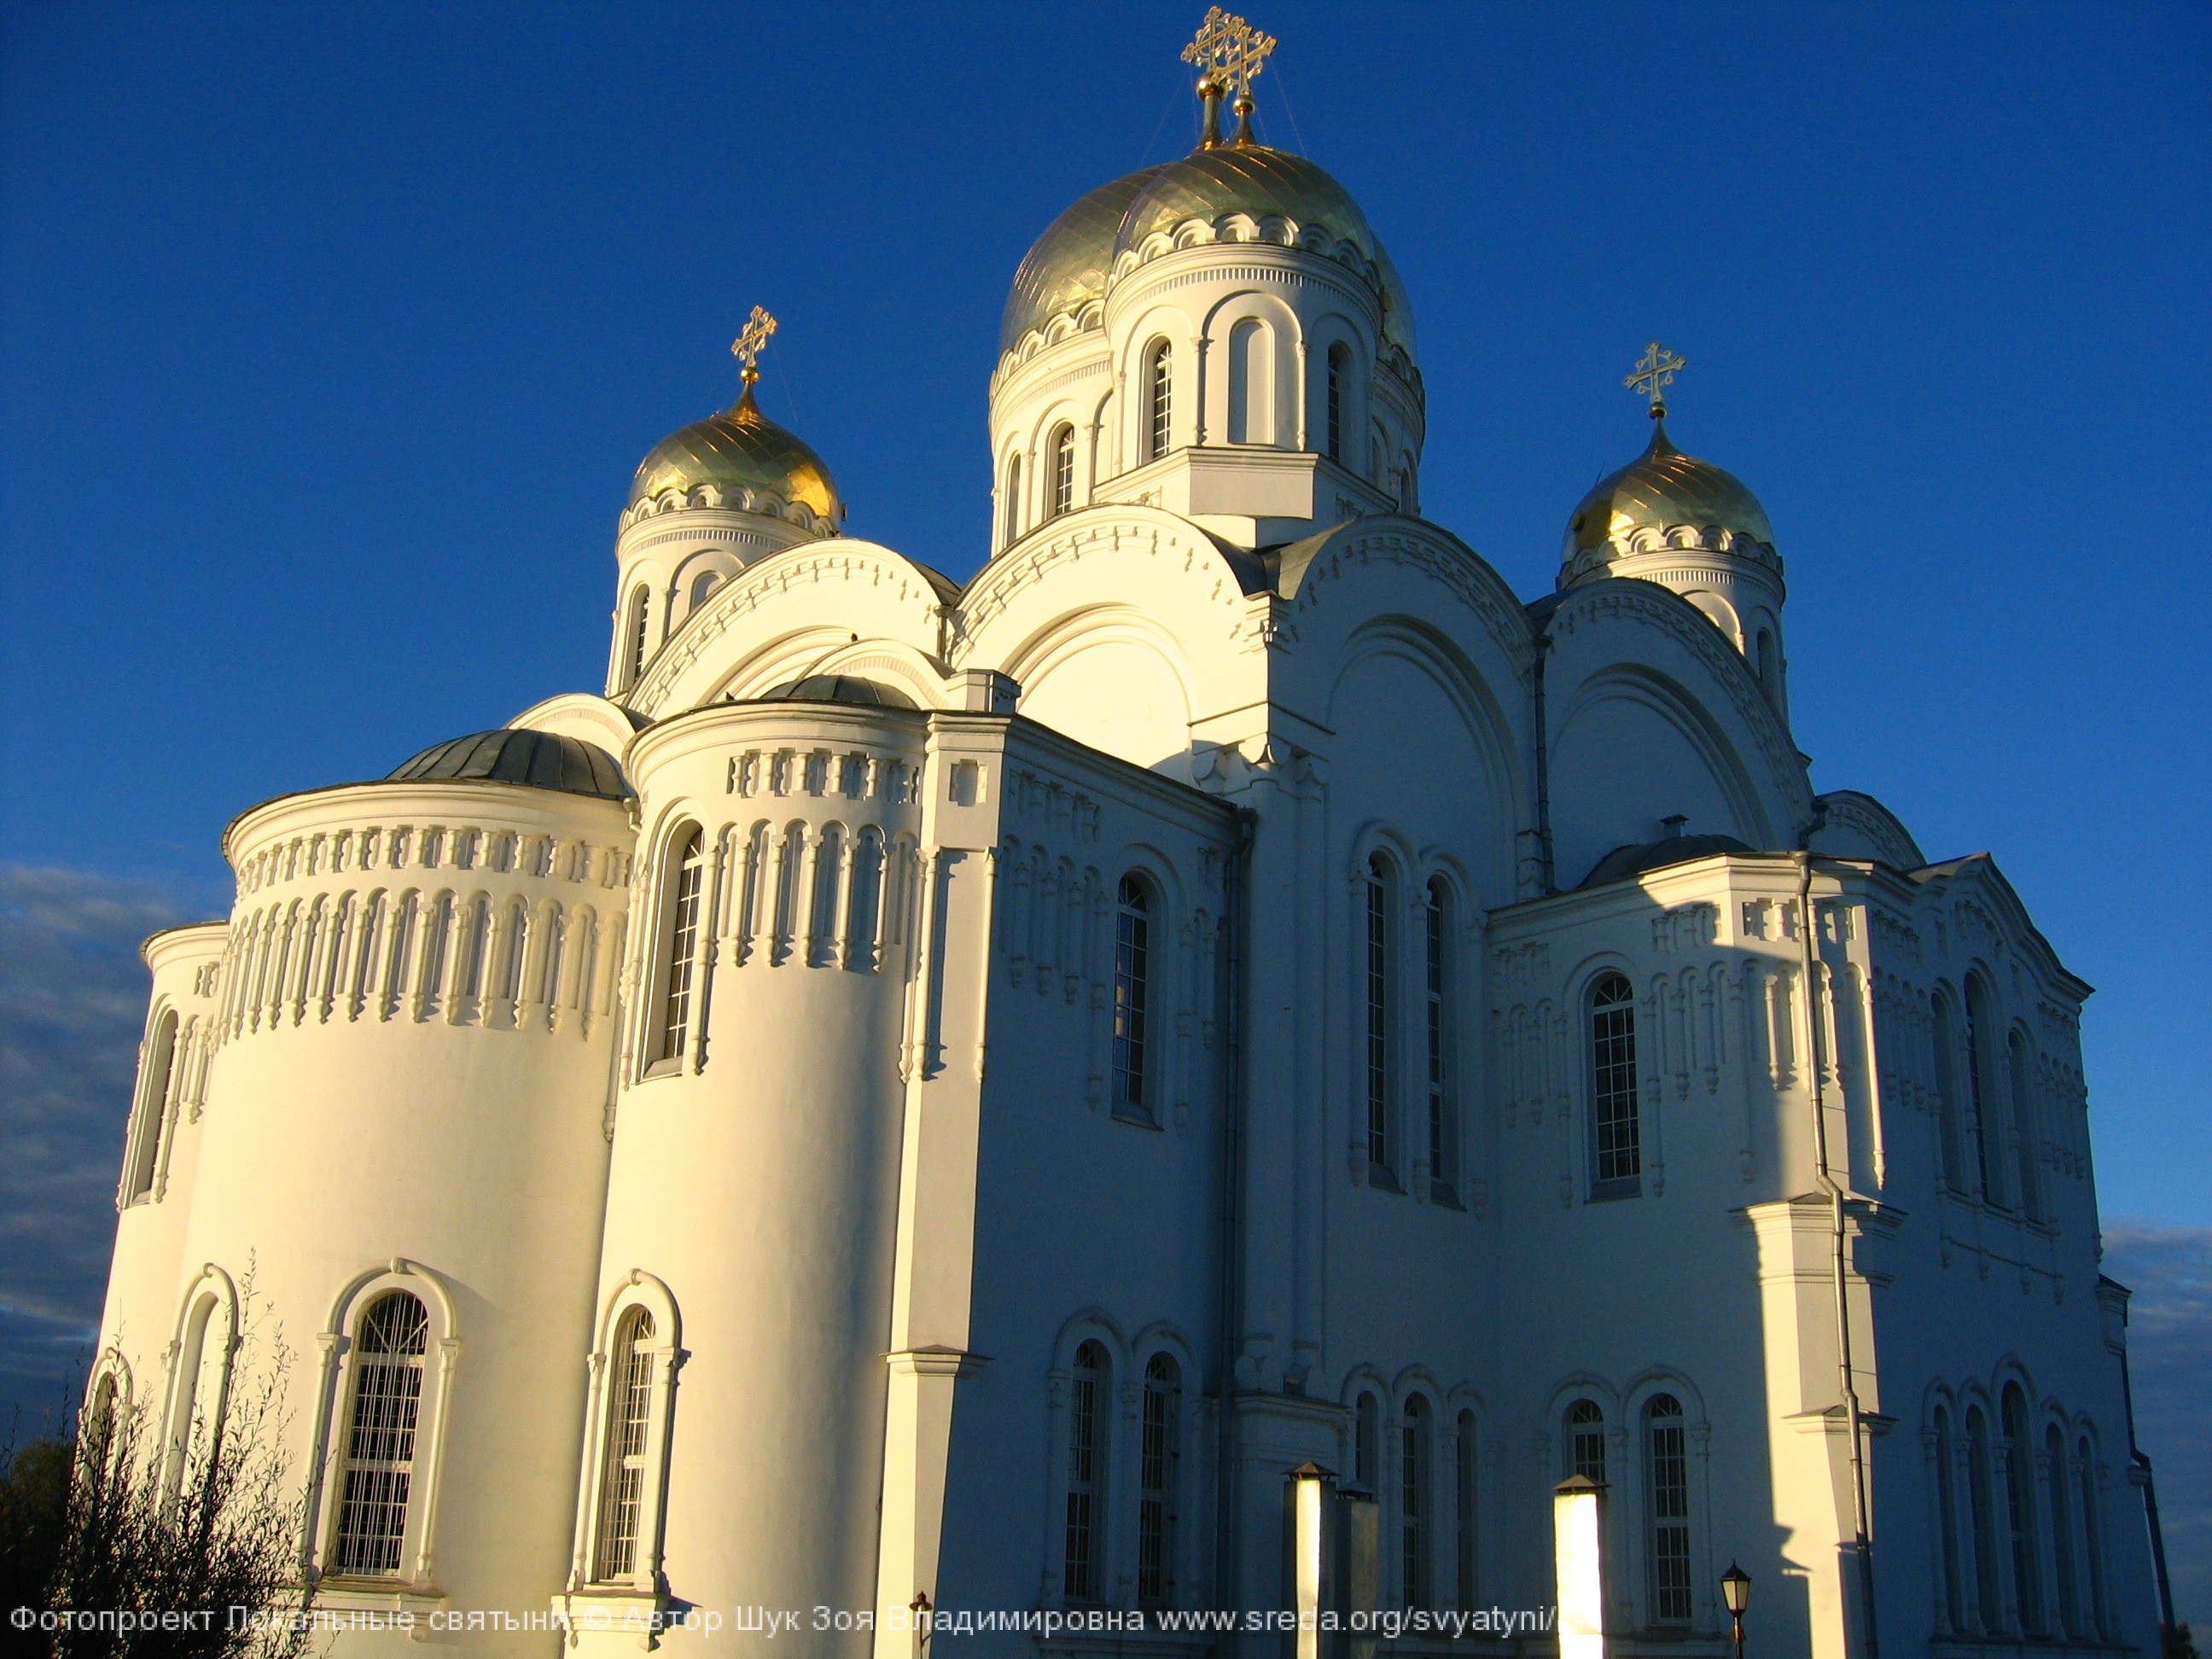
(683, 899)
(377, 1451)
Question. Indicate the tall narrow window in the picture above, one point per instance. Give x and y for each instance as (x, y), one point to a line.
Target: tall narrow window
(1436, 942)
(2093, 1537)
(1381, 1152)
(1414, 1464)
(1464, 1511)
(1378, 456)
(2061, 1533)
(1981, 1093)
(155, 1094)
(1063, 470)
(1617, 1140)
(1666, 1475)
(1978, 1510)
(1159, 399)
(379, 1442)
(1340, 371)
(1010, 509)
(1585, 1441)
(1086, 1472)
(2020, 1509)
(1946, 1505)
(1132, 993)
(1770, 668)
(2020, 1055)
(687, 871)
(1367, 1442)
(1945, 1031)
(1161, 1458)
(629, 1416)
(641, 619)
(1251, 384)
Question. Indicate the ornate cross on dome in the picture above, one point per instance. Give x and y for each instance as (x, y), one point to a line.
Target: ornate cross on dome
(751, 341)
(1230, 53)
(1654, 373)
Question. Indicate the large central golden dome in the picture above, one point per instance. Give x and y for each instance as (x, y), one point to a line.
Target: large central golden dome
(1067, 267)
(741, 453)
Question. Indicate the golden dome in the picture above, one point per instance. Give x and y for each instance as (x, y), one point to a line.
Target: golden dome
(1662, 489)
(1264, 182)
(1066, 268)
(740, 449)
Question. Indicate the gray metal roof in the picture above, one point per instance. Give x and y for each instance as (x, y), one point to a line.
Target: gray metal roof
(539, 760)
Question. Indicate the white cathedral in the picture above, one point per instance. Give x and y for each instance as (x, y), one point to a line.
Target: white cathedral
(926, 1090)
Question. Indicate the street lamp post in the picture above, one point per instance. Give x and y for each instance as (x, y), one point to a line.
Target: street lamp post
(1735, 1590)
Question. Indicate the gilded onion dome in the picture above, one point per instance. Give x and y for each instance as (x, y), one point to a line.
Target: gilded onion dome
(743, 455)
(1067, 267)
(1261, 182)
(1663, 490)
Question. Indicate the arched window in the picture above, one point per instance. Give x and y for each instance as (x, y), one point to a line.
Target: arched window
(2092, 1532)
(1160, 1459)
(1947, 1505)
(1617, 1148)
(1339, 375)
(1132, 952)
(1584, 1441)
(1381, 1147)
(1946, 1034)
(1378, 456)
(1978, 1510)
(1251, 384)
(1463, 1555)
(685, 875)
(2019, 1508)
(1981, 1093)
(1438, 999)
(1415, 1462)
(2020, 1056)
(155, 1090)
(1063, 470)
(1666, 1484)
(96, 1439)
(1159, 399)
(1087, 1402)
(641, 619)
(629, 1421)
(379, 1438)
(1010, 509)
(703, 585)
(1768, 664)
(1367, 1442)
(2061, 1533)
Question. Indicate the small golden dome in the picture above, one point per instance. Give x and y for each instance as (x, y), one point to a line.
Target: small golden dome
(1067, 267)
(1263, 182)
(1662, 489)
(739, 449)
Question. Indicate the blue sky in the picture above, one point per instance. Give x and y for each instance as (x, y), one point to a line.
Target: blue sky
(331, 335)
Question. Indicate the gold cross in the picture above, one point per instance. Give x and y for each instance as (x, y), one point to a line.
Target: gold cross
(1228, 52)
(752, 340)
(1655, 372)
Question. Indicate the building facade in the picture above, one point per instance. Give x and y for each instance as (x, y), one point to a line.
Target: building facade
(941, 1090)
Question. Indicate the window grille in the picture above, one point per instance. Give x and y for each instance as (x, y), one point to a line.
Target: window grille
(1063, 470)
(1585, 1440)
(2019, 1513)
(379, 1445)
(2091, 1535)
(1668, 1476)
(1464, 1556)
(640, 605)
(1161, 1460)
(1413, 1501)
(1161, 397)
(690, 869)
(1977, 1504)
(1947, 1503)
(629, 1416)
(2061, 1533)
(1132, 993)
(1379, 1149)
(1619, 1159)
(1086, 1461)
(1338, 368)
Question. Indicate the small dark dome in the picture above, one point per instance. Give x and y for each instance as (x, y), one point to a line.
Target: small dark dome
(837, 688)
(539, 760)
(1633, 861)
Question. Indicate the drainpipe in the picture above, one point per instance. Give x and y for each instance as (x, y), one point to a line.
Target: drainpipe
(1839, 1257)
(1237, 900)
